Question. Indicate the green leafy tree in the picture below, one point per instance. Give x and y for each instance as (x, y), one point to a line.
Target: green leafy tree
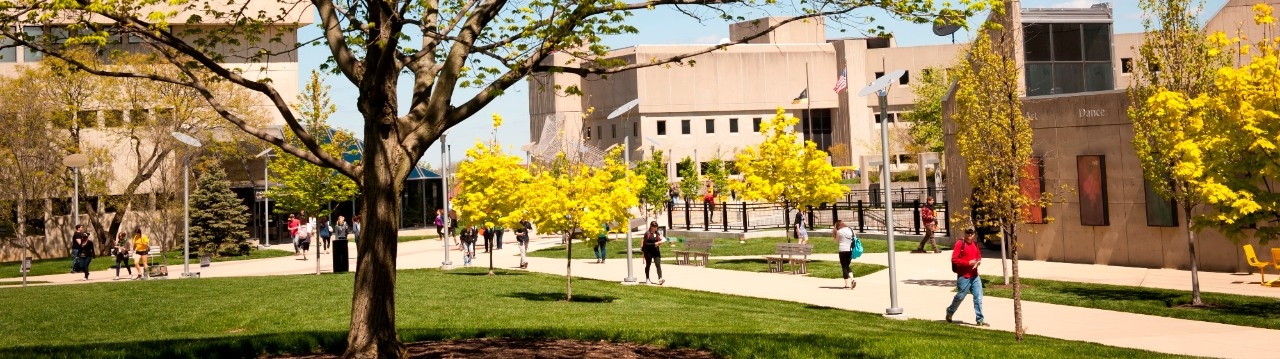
(1176, 65)
(994, 136)
(689, 179)
(926, 114)
(654, 193)
(717, 174)
(438, 46)
(303, 184)
(783, 170)
(217, 216)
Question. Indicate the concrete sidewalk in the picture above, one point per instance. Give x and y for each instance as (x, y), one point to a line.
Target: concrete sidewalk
(925, 285)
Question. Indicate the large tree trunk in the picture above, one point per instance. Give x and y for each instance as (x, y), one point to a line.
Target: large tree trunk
(373, 318)
(1012, 240)
(1195, 264)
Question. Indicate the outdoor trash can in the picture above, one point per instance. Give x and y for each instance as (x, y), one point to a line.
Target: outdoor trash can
(340, 256)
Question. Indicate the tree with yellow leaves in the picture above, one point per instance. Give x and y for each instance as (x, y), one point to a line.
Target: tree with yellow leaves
(490, 183)
(1171, 80)
(783, 170)
(577, 198)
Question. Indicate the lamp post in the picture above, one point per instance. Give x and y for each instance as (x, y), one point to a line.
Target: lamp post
(186, 205)
(266, 201)
(626, 158)
(444, 197)
(880, 87)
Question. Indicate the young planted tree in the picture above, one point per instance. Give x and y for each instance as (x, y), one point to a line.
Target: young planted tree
(1176, 65)
(925, 116)
(491, 185)
(441, 46)
(689, 178)
(994, 136)
(717, 174)
(653, 196)
(577, 198)
(303, 184)
(783, 170)
(217, 216)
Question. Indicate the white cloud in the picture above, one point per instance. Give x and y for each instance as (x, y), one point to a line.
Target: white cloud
(708, 39)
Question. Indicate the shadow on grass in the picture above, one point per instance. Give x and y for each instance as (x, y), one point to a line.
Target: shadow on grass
(931, 282)
(559, 296)
(484, 272)
(225, 347)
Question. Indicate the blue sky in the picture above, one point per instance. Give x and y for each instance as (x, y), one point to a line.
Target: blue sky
(656, 27)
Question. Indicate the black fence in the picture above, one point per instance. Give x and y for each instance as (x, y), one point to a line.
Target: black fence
(862, 210)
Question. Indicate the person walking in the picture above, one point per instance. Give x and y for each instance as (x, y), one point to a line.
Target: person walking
(87, 252)
(304, 239)
(326, 234)
(121, 252)
(497, 236)
(453, 228)
(601, 241)
(440, 223)
(929, 218)
(844, 240)
(709, 204)
(77, 242)
(293, 232)
(522, 240)
(141, 248)
(355, 228)
(487, 233)
(652, 254)
(468, 239)
(341, 229)
(802, 235)
(965, 258)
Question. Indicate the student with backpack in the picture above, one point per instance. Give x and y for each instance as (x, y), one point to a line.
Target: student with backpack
(601, 241)
(965, 258)
(325, 236)
(850, 249)
(522, 240)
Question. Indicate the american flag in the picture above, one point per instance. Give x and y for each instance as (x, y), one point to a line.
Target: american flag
(842, 82)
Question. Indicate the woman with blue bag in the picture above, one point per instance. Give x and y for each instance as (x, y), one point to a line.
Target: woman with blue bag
(850, 249)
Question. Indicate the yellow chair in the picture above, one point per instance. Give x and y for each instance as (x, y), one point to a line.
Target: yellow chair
(1275, 259)
(1252, 259)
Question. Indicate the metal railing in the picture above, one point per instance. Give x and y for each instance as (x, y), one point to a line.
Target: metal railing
(862, 210)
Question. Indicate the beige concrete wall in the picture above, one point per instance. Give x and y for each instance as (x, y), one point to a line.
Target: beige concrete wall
(806, 31)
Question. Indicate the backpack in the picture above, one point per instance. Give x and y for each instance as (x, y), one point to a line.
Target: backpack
(324, 230)
(856, 248)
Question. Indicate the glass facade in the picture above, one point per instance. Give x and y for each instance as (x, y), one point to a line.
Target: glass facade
(1067, 58)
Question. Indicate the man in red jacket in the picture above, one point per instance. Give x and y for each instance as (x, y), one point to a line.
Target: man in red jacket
(965, 258)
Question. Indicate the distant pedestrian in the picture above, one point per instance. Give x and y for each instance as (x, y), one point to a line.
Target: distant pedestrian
(87, 252)
(652, 254)
(356, 228)
(304, 239)
(497, 236)
(453, 228)
(294, 223)
(929, 218)
(965, 258)
(709, 204)
(522, 240)
(121, 252)
(326, 234)
(601, 241)
(468, 239)
(141, 248)
(487, 233)
(341, 229)
(802, 234)
(77, 242)
(844, 240)
(440, 223)
(674, 193)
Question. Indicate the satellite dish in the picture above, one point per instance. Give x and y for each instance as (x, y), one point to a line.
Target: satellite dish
(882, 83)
(187, 139)
(945, 29)
(625, 107)
(75, 160)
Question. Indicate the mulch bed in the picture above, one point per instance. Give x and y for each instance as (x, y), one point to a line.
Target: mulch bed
(535, 348)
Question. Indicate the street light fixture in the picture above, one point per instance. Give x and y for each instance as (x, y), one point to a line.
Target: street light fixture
(186, 205)
(266, 201)
(880, 87)
(626, 158)
(75, 161)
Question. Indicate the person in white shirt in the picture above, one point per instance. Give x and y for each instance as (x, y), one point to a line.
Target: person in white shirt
(844, 239)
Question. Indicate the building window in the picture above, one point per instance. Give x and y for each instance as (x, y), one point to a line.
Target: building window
(755, 125)
(1126, 65)
(112, 118)
(588, 132)
(733, 125)
(613, 131)
(662, 128)
(635, 129)
(8, 52)
(600, 131)
(893, 117)
(1067, 58)
(711, 125)
(139, 116)
(165, 114)
(87, 119)
(905, 79)
(878, 74)
(30, 55)
(685, 127)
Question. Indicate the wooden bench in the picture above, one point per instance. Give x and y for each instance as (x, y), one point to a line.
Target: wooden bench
(697, 249)
(794, 255)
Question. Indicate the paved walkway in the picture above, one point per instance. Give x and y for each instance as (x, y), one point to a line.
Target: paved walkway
(924, 290)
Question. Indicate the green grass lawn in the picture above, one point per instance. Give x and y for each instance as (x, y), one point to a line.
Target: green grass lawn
(721, 247)
(252, 316)
(817, 269)
(1261, 312)
(63, 265)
